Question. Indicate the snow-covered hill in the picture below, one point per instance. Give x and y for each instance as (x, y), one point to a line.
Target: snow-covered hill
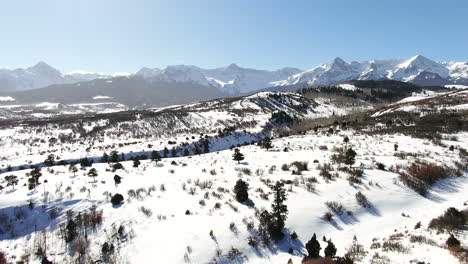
(183, 210)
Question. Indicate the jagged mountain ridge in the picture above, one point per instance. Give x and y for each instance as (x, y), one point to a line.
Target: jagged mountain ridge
(42, 75)
(236, 80)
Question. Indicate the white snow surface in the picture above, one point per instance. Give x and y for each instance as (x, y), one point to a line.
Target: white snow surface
(175, 236)
(7, 99)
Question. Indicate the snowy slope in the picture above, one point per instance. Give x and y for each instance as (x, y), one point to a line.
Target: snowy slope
(178, 238)
(429, 102)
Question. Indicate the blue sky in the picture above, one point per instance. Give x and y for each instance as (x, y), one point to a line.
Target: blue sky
(125, 35)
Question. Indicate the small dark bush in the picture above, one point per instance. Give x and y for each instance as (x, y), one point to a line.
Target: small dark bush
(362, 199)
(380, 166)
(117, 199)
(336, 207)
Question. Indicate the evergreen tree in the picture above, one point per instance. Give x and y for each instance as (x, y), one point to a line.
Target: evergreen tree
(279, 209)
(165, 152)
(114, 156)
(346, 141)
(117, 199)
(238, 156)
(155, 156)
(36, 174)
(72, 168)
(240, 189)
(105, 158)
(330, 250)
(71, 231)
(206, 146)
(12, 180)
(313, 247)
(197, 150)
(266, 143)
(31, 183)
(173, 152)
(86, 162)
(93, 173)
(50, 160)
(395, 147)
(350, 157)
(136, 162)
(186, 152)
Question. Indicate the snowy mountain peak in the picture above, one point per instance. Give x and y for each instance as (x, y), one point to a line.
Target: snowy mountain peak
(233, 66)
(338, 61)
(44, 68)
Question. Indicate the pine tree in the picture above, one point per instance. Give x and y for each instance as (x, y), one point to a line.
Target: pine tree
(72, 168)
(395, 147)
(12, 180)
(105, 158)
(165, 152)
(197, 150)
(186, 152)
(136, 163)
(36, 174)
(346, 141)
(240, 189)
(238, 156)
(155, 156)
(71, 231)
(206, 146)
(50, 160)
(350, 157)
(266, 143)
(313, 247)
(114, 157)
(173, 152)
(93, 173)
(330, 250)
(279, 209)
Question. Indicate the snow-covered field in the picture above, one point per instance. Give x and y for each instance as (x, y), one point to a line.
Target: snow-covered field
(202, 185)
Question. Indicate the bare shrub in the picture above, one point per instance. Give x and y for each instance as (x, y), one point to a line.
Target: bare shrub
(362, 199)
(146, 211)
(335, 207)
(420, 175)
(395, 246)
(300, 165)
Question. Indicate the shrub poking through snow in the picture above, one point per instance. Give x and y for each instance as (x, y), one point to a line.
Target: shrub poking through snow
(117, 199)
(336, 207)
(362, 199)
(420, 175)
(301, 165)
(452, 242)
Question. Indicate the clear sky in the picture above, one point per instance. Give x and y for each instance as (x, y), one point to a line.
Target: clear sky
(125, 35)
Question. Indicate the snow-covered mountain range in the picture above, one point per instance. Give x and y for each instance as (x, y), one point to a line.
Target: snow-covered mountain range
(235, 80)
(42, 75)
